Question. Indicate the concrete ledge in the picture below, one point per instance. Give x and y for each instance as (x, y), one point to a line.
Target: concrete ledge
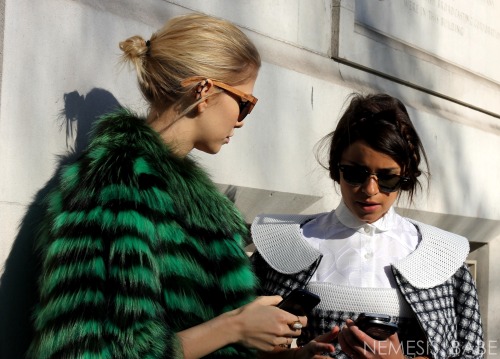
(254, 201)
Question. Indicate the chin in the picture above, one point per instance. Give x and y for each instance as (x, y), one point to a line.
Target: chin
(210, 150)
(214, 151)
(373, 217)
(369, 218)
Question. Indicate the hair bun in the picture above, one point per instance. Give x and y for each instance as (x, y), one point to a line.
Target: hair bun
(134, 47)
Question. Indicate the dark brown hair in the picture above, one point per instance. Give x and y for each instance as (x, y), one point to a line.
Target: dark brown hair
(382, 122)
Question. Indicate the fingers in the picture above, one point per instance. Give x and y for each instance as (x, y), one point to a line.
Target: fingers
(319, 348)
(357, 337)
(329, 336)
(350, 342)
(347, 336)
(357, 344)
(268, 300)
(302, 320)
(314, 350)
(298, 322)
(295, 322)
(287, 342)
(345, 344)
(294, 329)
(357, 334)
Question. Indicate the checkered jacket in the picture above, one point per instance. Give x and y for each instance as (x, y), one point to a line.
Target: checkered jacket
(434, 285)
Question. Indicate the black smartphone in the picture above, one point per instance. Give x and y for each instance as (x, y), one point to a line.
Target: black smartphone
(378, 326)
(299, 302)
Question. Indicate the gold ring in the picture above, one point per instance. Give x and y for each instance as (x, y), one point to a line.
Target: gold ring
(287, 344)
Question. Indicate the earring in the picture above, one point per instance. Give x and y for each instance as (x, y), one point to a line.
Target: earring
(200, 87)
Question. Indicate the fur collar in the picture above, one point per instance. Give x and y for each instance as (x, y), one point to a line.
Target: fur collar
(439, 255)
(120, 138)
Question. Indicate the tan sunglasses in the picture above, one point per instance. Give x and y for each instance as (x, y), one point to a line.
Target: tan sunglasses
(245, 101)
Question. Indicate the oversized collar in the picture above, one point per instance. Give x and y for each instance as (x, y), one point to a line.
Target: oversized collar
(122, 142)
(279, 240)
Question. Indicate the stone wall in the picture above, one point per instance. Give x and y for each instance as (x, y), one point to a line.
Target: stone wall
(61, 69)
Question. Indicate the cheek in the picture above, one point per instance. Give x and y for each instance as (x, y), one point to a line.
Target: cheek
(220, 111)
(345, 189)
(391, 198)
(235, 112)
(229, 109)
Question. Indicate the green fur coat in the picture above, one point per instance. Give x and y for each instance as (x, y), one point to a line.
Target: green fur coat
(135, 245)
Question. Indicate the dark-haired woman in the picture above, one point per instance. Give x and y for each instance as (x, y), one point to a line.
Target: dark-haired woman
(364, 257)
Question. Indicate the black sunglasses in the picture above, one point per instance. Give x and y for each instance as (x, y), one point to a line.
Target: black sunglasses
(357, 175)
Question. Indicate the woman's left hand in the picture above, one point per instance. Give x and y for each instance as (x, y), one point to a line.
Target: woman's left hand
(359, 345)
(318, 347)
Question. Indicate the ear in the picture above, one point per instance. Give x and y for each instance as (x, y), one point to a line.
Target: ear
(203, 92)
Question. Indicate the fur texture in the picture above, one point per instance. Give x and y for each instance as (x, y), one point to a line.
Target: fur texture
(136, 245)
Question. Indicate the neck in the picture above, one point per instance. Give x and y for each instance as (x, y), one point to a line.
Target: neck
(173, 130)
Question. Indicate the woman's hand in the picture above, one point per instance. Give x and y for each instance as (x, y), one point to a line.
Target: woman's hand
(359, 345)
(318, 347)
(261, 325)
(315, 349)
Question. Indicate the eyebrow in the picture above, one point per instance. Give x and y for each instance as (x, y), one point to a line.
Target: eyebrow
(388, 169)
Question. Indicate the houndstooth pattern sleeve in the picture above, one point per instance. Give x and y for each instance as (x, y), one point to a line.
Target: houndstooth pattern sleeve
(449, 315)
(272, 282)
(469, 326)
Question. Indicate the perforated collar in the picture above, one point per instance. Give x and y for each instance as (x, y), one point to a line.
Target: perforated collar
(440, 253)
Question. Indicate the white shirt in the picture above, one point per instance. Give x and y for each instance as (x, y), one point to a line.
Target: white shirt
(356, 253)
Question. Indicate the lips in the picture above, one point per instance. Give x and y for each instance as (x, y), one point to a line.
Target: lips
(368, 206)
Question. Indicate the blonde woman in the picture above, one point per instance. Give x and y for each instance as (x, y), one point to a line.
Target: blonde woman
(140, 253)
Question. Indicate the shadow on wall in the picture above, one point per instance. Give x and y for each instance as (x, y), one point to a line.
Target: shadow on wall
(81, 111)
(18, 281)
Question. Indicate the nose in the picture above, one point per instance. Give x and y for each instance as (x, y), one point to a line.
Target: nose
(370, 187)
(239, 124)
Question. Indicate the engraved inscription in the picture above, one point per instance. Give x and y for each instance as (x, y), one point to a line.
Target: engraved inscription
(464, 33)
(445, 14)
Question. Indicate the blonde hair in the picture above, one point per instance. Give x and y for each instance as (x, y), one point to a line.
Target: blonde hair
(190, 45)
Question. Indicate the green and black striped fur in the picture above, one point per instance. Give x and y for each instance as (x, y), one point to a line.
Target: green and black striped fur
(136, 244)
